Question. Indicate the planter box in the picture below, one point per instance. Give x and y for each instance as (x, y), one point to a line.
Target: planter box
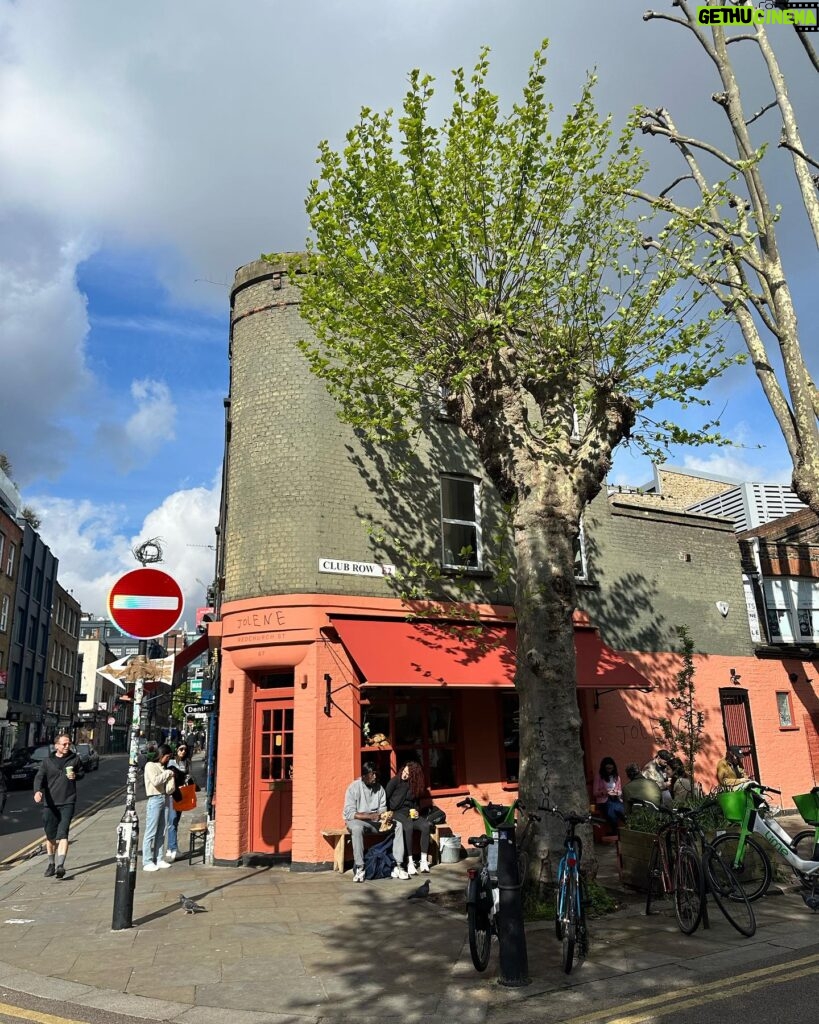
(633, 857)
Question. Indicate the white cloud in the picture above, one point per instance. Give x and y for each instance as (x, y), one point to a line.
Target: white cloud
(142, 434)
(43, 328)
(739, 467)
(93, 552)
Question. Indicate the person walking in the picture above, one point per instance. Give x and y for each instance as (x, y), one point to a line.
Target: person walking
(159, 784)
(180, 765)
(404, 792)
(55, 786)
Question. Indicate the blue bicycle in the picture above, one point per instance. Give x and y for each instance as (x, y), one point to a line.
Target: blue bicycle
(571, 898)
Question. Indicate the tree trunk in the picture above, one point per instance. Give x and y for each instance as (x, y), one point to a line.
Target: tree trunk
(551, 768)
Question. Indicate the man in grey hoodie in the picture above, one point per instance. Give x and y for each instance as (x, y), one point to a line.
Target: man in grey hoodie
(364, 803)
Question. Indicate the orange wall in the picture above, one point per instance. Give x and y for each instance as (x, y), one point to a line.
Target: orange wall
(626, 728)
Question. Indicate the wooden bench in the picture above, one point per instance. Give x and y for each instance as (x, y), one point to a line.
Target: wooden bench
(339, 837)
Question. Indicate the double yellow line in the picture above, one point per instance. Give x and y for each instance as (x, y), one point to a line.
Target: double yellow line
(40, 1018)
(649, 1009)
(102, 802)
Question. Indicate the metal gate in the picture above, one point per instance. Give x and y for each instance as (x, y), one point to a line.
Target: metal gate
(738, 727)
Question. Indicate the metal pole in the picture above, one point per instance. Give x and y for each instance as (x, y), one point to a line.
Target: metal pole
(128, 828)
(513, 970)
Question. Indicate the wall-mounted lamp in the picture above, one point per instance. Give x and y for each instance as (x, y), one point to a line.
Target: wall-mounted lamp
(735, 677)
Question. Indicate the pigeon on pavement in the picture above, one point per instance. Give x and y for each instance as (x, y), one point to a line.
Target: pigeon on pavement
(189, 906)
(420, 893)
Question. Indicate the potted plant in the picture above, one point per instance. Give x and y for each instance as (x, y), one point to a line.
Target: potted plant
(634, 845)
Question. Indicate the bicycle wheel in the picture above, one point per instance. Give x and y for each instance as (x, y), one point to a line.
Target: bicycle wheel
(754, 872)
(582, 928)
(729, 895)
(480, 936)
(689, 890)
(655, 877)
(570, 922)
(560, 896)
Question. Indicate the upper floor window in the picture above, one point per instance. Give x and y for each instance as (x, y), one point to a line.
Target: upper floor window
(2, 546)
(4, 613)
(460, 522)
(792, 610)
(10, 560)
(581, 569)
(785, 709)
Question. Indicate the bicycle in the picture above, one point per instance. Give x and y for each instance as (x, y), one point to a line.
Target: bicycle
(482, 894)
(571, 897)
(690, 867)
(747, 808)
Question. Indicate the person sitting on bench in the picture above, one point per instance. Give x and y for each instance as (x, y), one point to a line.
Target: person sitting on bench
(364, 803)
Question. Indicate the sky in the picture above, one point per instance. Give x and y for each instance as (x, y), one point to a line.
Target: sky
(149, 150)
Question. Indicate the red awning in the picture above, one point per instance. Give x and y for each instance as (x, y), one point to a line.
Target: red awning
(398, 653)
(189, 653)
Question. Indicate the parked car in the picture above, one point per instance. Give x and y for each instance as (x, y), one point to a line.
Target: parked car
(23, 776)
(14, 763)
(88, 756)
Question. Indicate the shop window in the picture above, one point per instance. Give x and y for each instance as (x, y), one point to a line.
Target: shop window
(400, 727)
(785, 708)
(510, 721)
(460, 523)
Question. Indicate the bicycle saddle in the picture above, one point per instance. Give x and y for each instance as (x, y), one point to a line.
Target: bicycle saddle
(480, 841)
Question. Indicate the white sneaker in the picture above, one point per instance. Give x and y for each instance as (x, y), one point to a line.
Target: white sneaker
(395, 871)
(358, 875)
(411, 869)
(424, 866)
(171, 855)
(402, 874)
(162, 864)
(150, 866)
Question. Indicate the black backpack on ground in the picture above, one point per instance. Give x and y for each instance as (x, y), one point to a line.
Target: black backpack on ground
(378, 860)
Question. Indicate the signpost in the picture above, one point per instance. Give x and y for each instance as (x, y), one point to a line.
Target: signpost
(145, 604)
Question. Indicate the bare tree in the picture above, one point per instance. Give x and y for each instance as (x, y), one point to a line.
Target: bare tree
(738, 220)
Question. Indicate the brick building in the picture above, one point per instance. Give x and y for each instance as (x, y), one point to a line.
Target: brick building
(322, 665)
(62, 671)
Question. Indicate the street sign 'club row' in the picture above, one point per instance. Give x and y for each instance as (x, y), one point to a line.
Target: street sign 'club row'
(145, 603)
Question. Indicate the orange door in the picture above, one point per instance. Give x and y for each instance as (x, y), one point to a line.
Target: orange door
(272, 817)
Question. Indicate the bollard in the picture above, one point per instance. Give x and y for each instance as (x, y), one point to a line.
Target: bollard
(513, 969)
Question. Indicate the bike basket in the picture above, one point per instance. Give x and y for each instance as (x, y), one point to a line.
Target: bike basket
(735, 803)
(808, 806)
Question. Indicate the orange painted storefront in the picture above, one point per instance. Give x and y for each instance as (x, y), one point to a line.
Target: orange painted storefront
(624, 725)
(284, 764)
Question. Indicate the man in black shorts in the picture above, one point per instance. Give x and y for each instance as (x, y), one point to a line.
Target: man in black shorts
(55, 786)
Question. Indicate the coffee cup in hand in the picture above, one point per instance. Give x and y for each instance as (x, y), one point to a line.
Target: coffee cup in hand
(70, 772)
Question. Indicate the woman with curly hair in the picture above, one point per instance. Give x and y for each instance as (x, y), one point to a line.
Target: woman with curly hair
(404, 792)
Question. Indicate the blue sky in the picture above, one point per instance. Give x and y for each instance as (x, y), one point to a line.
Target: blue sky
(148, 150)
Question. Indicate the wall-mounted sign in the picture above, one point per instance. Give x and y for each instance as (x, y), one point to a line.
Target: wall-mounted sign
(346, 567)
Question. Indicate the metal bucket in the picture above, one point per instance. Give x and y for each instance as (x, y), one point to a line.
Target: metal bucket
(450, 849)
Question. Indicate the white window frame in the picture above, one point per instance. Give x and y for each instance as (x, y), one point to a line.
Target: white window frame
(789, 599)
(4, 613)
(2, 546)
(582, 572)
(10, 560)
(475, 523)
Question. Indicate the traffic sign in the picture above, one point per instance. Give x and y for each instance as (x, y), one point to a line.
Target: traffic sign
(199, 709)
(145, 603)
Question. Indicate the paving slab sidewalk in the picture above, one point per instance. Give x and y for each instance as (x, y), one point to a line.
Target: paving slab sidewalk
(276, 947)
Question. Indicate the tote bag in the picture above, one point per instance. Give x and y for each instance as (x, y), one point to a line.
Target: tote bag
(184, 799)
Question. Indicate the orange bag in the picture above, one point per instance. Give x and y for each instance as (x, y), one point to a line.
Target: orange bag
(184, 798)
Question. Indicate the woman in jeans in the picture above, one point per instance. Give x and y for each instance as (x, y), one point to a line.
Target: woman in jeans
(180, 765)
(159, 783)
(404, 793)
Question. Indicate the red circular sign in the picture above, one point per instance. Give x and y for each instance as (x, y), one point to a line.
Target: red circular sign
(145, 603)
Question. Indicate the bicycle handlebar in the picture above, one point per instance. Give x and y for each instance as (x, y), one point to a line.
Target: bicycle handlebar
(570, 818)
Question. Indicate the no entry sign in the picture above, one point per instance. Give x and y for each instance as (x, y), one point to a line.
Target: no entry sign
(145, 603)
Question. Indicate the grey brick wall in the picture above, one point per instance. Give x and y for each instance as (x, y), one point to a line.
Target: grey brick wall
(651, 569)
(302, 485)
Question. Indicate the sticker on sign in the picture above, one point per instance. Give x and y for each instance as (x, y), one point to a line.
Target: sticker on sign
(199, 709)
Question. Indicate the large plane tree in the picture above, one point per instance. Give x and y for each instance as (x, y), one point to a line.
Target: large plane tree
(732, 191)
(504, 263)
